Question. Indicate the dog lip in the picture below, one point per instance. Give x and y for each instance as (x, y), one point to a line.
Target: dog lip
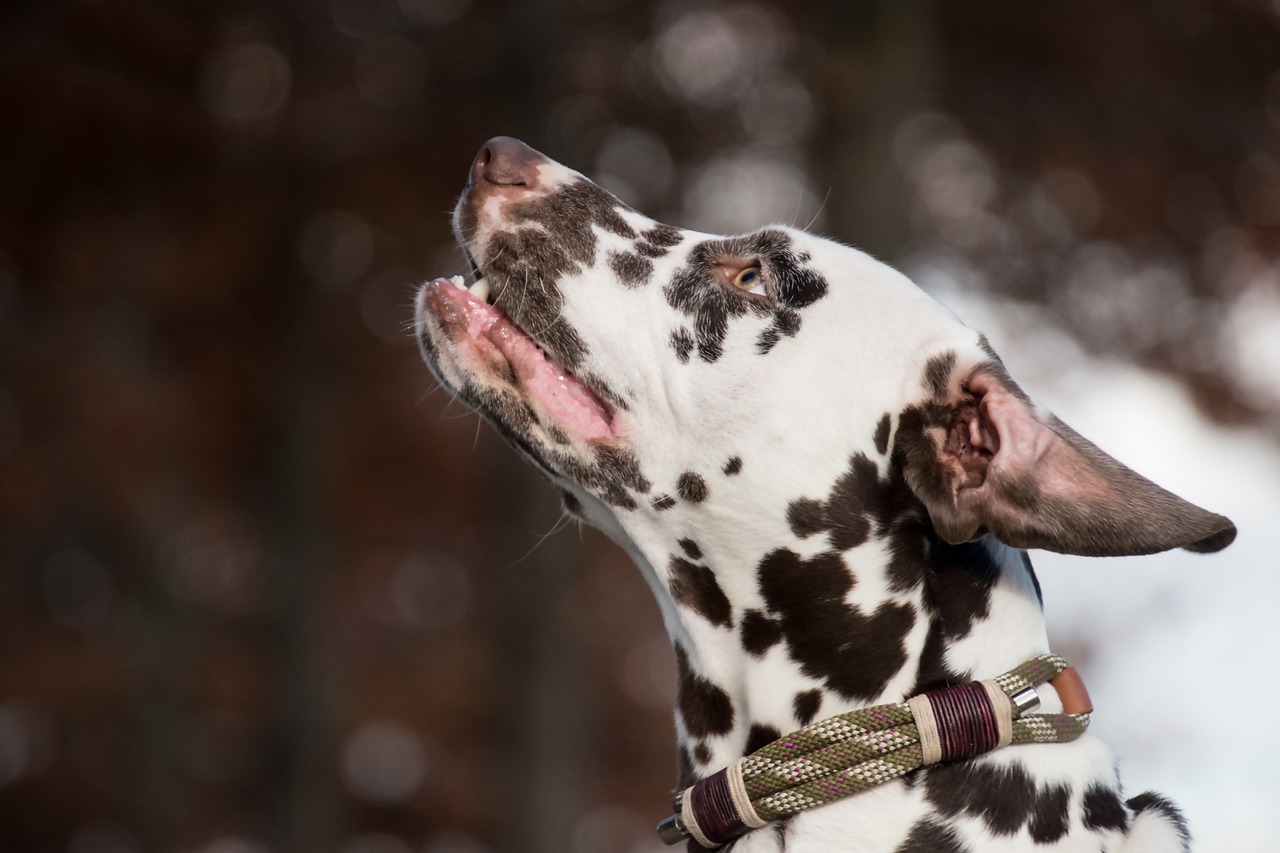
(488, 329)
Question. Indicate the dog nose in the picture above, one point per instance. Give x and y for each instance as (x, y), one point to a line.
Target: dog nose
(506, 162)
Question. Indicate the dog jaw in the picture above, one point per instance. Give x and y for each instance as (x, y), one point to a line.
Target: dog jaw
(488, 345)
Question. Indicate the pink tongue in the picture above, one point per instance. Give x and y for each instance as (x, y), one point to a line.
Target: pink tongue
(563, 397)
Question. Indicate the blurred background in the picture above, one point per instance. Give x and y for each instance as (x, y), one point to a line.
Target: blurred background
(264, 588)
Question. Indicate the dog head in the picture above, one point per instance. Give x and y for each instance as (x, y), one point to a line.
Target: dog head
(643, 366)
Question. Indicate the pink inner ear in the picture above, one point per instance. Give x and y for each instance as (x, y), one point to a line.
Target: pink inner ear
(1008, 430)
(970, 445)
(983, 432)
(1023, 448)
(1004, 425)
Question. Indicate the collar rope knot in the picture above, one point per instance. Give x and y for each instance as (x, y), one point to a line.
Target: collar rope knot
(858, 750)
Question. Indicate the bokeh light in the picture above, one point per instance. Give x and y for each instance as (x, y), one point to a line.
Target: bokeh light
(384, 762)
(336, 247)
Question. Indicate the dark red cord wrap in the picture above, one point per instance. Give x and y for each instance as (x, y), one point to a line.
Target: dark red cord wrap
(713, 808)
(966, 720)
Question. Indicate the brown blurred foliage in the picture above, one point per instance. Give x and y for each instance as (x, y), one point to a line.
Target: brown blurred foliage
(262, 588)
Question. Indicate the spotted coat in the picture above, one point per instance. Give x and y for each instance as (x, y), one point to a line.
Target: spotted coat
(826, 478)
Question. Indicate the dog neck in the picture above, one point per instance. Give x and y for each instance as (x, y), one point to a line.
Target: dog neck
(769, 638)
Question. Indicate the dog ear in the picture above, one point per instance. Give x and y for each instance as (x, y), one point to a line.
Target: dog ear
(984, 459)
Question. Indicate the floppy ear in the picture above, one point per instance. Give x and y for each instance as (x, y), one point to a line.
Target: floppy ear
(983, 459)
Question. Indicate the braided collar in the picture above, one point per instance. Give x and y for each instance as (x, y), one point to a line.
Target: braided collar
(861, 749)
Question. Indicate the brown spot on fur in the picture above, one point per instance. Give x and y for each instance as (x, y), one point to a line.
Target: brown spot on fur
(704, 707)
(929, 836)
(847, 513)
(1103, 809)
(1153, 802)
(649, 250)
(854, 653)
(861, 503)
(881, 437)
(785, 324)
(621, 466)
(937, 373)
(960, 585)
(805, 706)
(696, 587)
(806, 517)
(759, 633)
(932, 670)
(853, 500)
(663, 236)
(760, 736)
(1004, 798)
(631, 269)
(692, 487)
(683, 343)
(613, 475)
(1049, 817)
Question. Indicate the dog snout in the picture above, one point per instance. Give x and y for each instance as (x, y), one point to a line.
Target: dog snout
(505, 162)
(505, 170)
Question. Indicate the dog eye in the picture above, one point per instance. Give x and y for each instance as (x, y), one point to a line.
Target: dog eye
(750, 280)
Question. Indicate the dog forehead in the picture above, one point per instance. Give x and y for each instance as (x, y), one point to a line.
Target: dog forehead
(838, 318)
(839, 284)
(839, 329)
(839, 335)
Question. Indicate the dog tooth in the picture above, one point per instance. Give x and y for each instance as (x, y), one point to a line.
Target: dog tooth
(480, 290)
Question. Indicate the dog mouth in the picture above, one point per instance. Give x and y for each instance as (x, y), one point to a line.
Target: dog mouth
(486, 340)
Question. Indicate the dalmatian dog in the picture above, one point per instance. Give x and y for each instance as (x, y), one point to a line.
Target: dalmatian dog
(826, 479)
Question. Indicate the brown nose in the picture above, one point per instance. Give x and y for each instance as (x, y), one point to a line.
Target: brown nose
(506, 162)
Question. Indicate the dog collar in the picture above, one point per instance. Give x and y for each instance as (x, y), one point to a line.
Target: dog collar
(858, 750)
